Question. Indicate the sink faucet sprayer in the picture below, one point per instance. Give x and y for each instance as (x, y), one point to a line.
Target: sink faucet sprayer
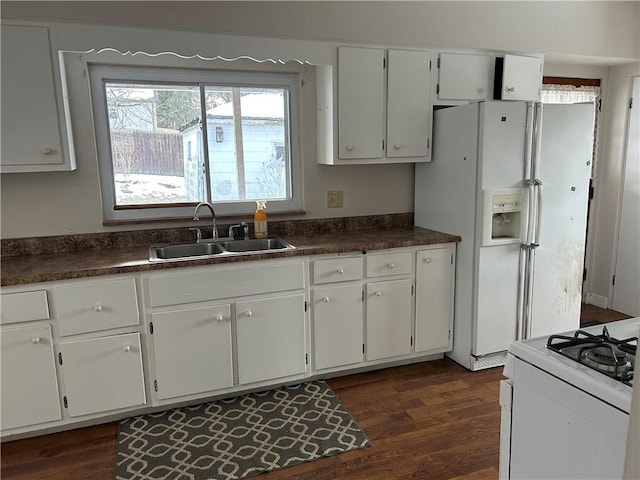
(214, 234)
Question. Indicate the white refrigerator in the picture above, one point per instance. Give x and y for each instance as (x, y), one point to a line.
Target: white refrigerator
(512, 180)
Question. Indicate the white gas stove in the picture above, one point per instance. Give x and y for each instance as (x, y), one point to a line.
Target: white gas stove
(566, 403)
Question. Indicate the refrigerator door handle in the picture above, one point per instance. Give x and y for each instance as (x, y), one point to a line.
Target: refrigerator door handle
(537, 140)
(529, 226)
(528, 146)
(539, 203)
(522, 289)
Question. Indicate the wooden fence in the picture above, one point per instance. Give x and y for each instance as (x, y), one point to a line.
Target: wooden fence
(147, 153)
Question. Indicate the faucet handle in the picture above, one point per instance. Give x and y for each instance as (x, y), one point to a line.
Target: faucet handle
(198, 233)
(245, 230)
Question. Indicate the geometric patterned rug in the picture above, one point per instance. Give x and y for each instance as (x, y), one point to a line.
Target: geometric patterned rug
(237, 437)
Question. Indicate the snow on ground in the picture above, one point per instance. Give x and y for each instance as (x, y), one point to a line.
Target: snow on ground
(134, 189)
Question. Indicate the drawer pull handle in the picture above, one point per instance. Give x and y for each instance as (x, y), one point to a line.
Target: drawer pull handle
(396, 146)
(248, 313)
(35, 340)
(219, 318)
(340, 271)
(391, 265)
(349, 148)
(325, 299)
(511, 89)
(98, 308)
(427, 260)
(378, 293)
(126, 348)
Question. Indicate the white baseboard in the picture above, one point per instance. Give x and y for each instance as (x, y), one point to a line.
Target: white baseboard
(595, 299)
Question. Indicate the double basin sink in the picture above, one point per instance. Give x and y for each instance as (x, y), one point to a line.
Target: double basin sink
(185, 251)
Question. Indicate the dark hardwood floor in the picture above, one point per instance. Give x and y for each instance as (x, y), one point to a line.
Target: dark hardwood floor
(432, 420)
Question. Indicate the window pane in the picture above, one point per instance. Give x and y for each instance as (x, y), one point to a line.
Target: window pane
(247, 145)
(149, 153)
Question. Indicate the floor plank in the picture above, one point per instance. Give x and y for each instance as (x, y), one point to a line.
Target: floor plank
(432, 420)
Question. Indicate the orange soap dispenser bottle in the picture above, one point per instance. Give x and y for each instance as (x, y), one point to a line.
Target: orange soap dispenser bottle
(260, 220)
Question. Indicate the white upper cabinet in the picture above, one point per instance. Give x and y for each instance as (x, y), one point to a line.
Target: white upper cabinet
(383, 106)
(34, 133)
(521, 77)
(464, 77)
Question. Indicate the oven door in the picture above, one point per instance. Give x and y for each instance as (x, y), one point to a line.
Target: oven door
(559, 431)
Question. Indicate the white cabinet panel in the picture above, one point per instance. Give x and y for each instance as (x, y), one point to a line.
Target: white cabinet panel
(464, 77)
(102, 374)
(361, 102)
(96, 306)
(192, 350)
(342, 269)
(434, 313)
(29, 382)
(385, 264)
(388, 321)
(32, 131)
(337, 325)
(521, 78)
(408, 118)
(24, 306)
(270, 338)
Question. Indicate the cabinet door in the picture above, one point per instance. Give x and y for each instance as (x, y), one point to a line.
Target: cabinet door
(192, 350)
(102, 374)
(360, 102)
(388, 322)
(433, 300)
(337, 326)
(464, 77)
(521, 78)
(270, 338)
(408, 112)
(29, 382)
(31, 134)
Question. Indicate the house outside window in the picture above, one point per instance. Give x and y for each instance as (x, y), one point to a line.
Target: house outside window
(169, 138)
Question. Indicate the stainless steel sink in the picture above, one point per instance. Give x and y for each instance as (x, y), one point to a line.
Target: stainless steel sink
(184, 251)
(166, 252)
(255, 244)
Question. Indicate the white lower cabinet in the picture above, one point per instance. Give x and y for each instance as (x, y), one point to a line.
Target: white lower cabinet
(434, 295)
(192, 350)
(29, 381)
(337, 325)
(388, 319)
(270, 338)
(102, 374)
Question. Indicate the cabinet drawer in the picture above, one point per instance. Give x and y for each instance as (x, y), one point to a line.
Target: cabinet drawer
(211, 283)
(92, 307)
(383, 265)
(24, 306)
(337, 270)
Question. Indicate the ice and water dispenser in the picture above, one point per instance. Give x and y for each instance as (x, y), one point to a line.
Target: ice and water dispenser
(502, 218)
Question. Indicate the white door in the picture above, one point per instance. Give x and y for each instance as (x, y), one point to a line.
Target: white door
(408, 112)
(464, 77)
(521, 78)
(626, 291)
(271, 338)
(565, 166)
(192, 350)
(361, 98)
(388, 322)
(102, 374)
(337, 325)
(29, 381)
(434, 313)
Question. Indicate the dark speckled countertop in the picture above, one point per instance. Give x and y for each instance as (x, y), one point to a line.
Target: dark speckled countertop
(43, 267)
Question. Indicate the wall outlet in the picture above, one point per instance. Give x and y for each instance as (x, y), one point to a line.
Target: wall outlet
(334, 199)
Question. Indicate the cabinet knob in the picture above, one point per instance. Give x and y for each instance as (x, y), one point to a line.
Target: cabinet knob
(396, 146)
(35, 340)
(219, 318)
(391, 265)
(427, 260)
(325, 299)
(349, 148)
(248, 313)
(511, 89)
(126, 348)
(48, 151)
(340, 271)
(98, 308)
(378, 293)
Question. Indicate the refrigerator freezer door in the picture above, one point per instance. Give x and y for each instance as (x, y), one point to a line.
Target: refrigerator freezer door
(565, 165)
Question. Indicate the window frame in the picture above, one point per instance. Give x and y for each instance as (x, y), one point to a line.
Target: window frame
(101, 73)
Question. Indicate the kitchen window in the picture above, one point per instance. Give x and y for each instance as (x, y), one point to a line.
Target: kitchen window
(170, 138)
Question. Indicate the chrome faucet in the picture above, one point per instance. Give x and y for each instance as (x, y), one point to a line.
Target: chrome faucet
(214, 234)
(245, 230)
